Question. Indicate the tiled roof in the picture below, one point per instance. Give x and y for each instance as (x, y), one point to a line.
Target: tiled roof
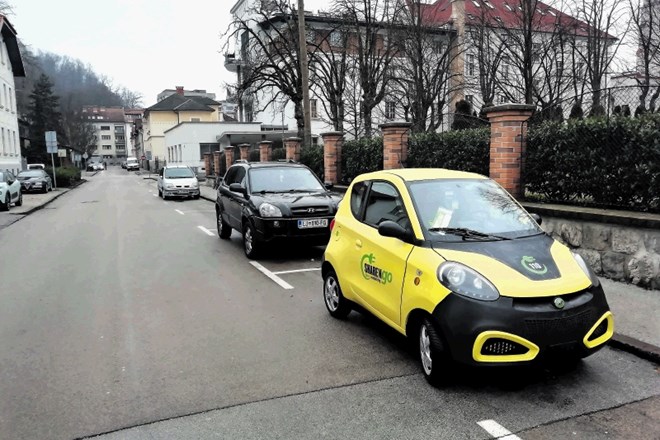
(173, 101)
(192, 105)
(502, 13)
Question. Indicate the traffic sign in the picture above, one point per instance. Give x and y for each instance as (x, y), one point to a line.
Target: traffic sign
(51, 142)
(85, 155)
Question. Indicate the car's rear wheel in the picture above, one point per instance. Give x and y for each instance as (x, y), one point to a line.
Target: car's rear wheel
(433, 356)
(337, 305)
(251, 244)
(224, 230)
(45, 190)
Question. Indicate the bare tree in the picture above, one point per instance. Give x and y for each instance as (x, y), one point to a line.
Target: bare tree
(79, 134)
(596, 47)
(553, 75)
(129, 98)
(268, 35)
(6, 8)
(645, 22)
(372, 42)
(421, 69)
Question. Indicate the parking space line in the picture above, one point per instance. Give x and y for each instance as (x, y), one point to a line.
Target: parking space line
(180, 212)
(206, 231)
(283, 272)
(496, 430)
(283, 284)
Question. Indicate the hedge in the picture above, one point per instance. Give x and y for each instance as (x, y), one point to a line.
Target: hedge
(66, 176)
(312, 156)
(361, 156)
(463, 150)
(611, 162)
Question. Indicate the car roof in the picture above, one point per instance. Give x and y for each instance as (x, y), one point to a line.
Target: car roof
(176, 166)
(416, 174)
(271, 164)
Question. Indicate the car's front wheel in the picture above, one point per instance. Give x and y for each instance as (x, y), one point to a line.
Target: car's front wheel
(251, 244)
(7, 205)
(337, 305)
(432, 354)
(19, 202)
(224, 229)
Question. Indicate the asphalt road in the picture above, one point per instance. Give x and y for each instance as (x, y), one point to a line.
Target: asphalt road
(124, 315)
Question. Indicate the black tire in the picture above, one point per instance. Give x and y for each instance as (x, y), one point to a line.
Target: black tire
(338, 306)
(45, 190)
(433, 357)
(19, 202)
(196, 197)
(50, 187)
(251, 245)
(224, 229)
(7, 205)
(160, 193)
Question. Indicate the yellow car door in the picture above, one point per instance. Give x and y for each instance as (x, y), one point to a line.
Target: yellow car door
(380, 262)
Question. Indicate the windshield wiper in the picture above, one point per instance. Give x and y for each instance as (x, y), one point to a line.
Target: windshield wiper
(469, 233)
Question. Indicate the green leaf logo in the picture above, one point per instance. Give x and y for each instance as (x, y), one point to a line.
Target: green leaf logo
(533, 266)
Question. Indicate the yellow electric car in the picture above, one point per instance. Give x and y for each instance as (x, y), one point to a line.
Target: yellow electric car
(451, 260)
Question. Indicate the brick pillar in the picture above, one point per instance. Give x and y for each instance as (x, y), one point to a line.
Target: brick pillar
(395, 144)
(265, 151)
(245, 151)
(216, 162)
(207, 163)
(292, 146)
(508, 138)
(229, 156)
(332, 143)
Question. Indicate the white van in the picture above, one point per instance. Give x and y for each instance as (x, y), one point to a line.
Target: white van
(132, 164)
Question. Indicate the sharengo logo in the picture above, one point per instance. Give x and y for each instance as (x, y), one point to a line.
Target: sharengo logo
(371, 272)
(533, 266)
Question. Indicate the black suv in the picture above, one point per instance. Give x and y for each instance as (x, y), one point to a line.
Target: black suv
(269, 201)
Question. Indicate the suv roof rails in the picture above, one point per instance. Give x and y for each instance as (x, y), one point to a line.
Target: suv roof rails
(287, 160)
(241, 161)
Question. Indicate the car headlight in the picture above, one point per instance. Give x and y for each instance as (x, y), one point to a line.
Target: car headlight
(268, 210)
(194, 185)
(586, 268)
(169, 185)
(464, 281)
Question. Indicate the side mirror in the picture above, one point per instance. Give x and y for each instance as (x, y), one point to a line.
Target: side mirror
(238, 188)
(329, 185)
(537, 218)
(389, 228)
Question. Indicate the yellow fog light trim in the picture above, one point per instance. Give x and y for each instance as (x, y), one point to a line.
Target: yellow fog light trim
(605, 336)
(532, 348)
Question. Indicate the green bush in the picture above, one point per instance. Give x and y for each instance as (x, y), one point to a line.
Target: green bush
(361, 156)
(312, 156)
(278, 154)
(254, 155)
(599, 161)
(66, 176)
(463, 150)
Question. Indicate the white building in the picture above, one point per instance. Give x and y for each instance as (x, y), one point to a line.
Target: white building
(11, 65)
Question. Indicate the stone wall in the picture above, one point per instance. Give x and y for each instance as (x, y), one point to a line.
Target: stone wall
(624, 253)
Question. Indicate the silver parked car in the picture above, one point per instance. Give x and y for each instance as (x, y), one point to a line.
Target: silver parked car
(177, 181)
(10, 191)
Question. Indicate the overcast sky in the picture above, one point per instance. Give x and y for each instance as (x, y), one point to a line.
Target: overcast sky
(144, 45)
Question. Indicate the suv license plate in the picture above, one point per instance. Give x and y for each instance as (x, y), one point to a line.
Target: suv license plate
(313, 223)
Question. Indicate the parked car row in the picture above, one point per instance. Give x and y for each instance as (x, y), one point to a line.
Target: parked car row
(13, 187)
(448, 259)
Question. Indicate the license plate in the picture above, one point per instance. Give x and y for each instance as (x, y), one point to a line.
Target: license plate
(313, 223)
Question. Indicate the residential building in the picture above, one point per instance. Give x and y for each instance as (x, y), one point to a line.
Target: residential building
(169, 112)
(112, 129)
(189, 93)
(11, 65)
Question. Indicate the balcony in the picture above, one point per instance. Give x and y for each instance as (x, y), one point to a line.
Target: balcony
(232, 63)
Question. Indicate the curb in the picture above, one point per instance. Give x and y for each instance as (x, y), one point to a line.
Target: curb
(48, 202)
(636, 347)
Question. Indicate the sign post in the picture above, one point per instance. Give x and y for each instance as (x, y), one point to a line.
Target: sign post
(51, 147)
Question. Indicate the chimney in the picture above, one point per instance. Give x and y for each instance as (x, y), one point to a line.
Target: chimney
(179, 90)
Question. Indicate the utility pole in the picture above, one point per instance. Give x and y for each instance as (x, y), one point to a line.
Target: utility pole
(304, 74)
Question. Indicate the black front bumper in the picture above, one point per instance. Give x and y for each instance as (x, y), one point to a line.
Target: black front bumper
(524, 330)
(286, 229)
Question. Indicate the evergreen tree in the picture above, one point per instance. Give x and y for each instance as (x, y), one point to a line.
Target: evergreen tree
(43, 116)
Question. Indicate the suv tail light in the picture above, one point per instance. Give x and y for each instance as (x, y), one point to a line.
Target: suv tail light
(332, 224)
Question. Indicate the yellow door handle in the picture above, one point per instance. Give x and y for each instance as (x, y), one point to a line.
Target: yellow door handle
(358, 243)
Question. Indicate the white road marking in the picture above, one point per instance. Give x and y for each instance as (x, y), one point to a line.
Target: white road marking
(282, 272)
(179, 211)
(283, 284)
(155, 195)
(206, 231)
(496, 430)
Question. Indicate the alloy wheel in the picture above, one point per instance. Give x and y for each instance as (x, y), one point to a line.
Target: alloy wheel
(425, 350)
(331, 294)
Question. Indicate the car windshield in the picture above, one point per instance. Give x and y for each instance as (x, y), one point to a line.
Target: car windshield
(178, 173)
(284, 179)
(475, 208)
(30, 174)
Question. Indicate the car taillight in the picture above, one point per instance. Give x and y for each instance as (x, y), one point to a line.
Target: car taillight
(332, 224)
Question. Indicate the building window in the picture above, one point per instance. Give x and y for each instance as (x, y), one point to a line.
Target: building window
(195, 120)
(469, 65)
(105, 127)
(106, 137)
(390, 110)
(119, 128)
(335, 38)
(501, 99)
(311, 36)
(120, 137)
(107, 147)
(505, 67)
(11, 100)
(314, 108)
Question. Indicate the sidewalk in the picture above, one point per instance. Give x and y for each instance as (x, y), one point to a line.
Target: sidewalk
(636, 311)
